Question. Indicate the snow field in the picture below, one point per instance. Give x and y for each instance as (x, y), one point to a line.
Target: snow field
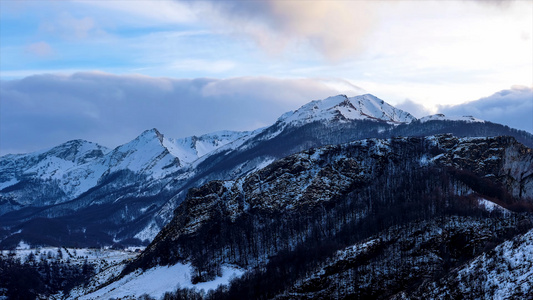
(159, 280)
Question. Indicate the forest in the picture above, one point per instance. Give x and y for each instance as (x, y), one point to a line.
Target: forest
(283, 246)
(37, 276)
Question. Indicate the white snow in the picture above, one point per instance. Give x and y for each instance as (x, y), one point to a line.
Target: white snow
(149, 232)
(491, 206)
(189, 149)
(75, 255)
(159, 280)
(508, 270)
(442, 117)
(8, 183)
(426, 160)
(356, 108)
(72, 164)
(23, 246)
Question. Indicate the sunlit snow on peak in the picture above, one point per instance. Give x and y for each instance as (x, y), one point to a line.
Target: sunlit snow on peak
(343, 109)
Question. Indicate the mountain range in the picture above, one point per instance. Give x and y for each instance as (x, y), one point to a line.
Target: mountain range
(83, 194)
(344, 198)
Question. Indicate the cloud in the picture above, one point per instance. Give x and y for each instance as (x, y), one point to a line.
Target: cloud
(40, 49)
(334, 28)
(45, 110)
(512, 107)
(497, 3)
(217, 66)
(72, 28)
(416, 109)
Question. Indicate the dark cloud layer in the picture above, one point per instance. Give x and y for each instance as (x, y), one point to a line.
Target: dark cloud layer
(512, 107)
(44, 110)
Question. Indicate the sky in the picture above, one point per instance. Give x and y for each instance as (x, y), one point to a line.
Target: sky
(105, 71)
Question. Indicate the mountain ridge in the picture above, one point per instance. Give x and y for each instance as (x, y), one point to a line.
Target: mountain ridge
(156, 171)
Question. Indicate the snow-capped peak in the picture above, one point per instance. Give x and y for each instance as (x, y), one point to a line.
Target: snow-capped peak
(191, 148)
(141, 154)
(343, 109)
(65, 163)
(76, 151)
(150, 135)
(442, 117)
(373, 107)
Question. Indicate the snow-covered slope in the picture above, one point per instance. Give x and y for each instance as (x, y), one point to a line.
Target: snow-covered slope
(74, 176)
(191, 148)
(77, 166)
(145, 154)
(394, 262)
(48, 164)
(73, 165)
(155, 282)
(341, 108)
(442, 117)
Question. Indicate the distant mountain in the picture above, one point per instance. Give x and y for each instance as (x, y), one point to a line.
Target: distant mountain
(77, 166)
(80, 184)
(442, 117)
(80, 193)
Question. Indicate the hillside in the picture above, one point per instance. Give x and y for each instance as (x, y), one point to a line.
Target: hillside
(401, 204)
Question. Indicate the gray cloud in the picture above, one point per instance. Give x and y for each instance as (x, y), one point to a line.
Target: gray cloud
(512, 107)
(44, 110)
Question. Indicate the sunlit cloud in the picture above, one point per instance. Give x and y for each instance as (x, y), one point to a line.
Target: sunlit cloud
(334, 28)
(414, 108)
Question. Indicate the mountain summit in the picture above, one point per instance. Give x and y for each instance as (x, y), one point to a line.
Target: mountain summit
(341, 108)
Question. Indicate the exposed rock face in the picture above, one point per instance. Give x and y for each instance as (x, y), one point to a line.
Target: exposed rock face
(319, 175)
(399, 260)
(500, 159)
